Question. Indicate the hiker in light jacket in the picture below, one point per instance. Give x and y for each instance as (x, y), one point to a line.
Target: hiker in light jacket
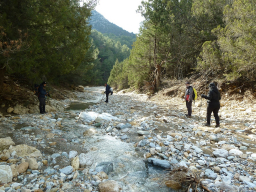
(189, 98)
(213, 98)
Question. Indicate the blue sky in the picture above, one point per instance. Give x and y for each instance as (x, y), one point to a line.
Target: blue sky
(122, 13)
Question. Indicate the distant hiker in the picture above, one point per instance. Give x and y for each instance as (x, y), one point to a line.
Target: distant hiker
(107, 92)
(213, 104)
(41, 96)
(189, 98)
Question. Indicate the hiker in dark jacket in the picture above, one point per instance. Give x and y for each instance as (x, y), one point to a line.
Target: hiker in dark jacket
(189, 98)
(107, 92)
(41, 96)
(213, 98)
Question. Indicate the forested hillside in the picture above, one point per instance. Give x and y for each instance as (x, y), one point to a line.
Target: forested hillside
(183, 37)
(111, 30)
(55, 42)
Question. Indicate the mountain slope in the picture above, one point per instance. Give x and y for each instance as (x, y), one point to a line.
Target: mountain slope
(101, 24)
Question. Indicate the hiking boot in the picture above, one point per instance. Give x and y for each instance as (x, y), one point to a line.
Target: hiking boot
(188, 116)
(106, 101)
(207, 125)
(217, 125)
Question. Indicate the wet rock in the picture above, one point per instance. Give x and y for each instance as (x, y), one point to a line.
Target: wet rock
(5, 174)
(109, 186)
(5, 143)
(161, 163)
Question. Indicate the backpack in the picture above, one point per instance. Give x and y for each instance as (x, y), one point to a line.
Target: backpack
(111, 90)
(194, 94)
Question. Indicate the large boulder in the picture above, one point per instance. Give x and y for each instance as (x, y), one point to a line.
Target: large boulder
(5, 143)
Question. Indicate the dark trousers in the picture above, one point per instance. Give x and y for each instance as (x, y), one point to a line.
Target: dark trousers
(107, 96)
(215, 110)
(189, 107)
(41, 105)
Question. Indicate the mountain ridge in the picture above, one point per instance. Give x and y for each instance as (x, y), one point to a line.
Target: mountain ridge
(101, 24)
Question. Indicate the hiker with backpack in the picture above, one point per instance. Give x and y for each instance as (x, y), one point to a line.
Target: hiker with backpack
(108, 90)
(41, 96)
(189, 96)
(213, 105)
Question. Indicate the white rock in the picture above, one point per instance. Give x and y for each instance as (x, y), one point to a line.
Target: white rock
(72, 154)
(5, 174)
(235, 152)
(220, 153)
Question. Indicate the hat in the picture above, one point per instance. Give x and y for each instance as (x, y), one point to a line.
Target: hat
(188, 82)
(44, 82)
(212, 85)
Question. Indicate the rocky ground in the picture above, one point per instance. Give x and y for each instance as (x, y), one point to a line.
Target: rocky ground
(133, 143)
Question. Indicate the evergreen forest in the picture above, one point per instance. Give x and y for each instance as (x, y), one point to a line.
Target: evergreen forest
(181, 38)
(65, 42)
(58, 41)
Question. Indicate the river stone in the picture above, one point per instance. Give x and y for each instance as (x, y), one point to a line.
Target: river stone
(75, 163)
(142, 143)
(5, 143)
(124, 137)
(161, 163)
(32, 164)
(235, 152)
(141, 133)
(25, 150)
(210, 174)
(253, 156)
(84, 160)
(10, 110)
(123, 126)
(106, 167)
(21, 168)
(19, 109)
(5, 155)
(67, 170)
(72, 154)
(5, 174)
(220, 153)
(109, 186)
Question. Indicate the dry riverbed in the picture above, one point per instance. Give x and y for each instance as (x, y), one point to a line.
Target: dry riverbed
(127, 145)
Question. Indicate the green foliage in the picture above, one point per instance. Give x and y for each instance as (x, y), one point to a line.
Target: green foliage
(236, 41)
(109, 51)
(57, 36)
